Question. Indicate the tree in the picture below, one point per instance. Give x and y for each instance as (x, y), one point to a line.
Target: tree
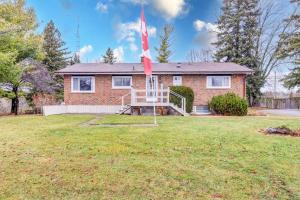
(56, 55)
(54, 47)
(270, 43)
(109, 57)
(16, 46)
(75, 59)
(238, 27)
(250, 35)
(292, 49)
(203, 55)
(229, 38)
(164, 51)
(255, 82)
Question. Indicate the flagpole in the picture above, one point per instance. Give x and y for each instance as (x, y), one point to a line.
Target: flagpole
(146, 55)
(153, 99)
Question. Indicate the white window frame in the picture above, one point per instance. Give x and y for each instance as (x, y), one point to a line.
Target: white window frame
(208, 86)
(121, 87)
(79, 91)
(174, 82)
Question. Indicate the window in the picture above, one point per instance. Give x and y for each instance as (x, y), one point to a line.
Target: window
(177, 80)
(219, 82)
(83, 84)
(121, 82)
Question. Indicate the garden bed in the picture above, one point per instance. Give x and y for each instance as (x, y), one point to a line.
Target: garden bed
(282, 130)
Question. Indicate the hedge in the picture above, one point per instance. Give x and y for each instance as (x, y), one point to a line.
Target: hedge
(186, 92)
(229, 104)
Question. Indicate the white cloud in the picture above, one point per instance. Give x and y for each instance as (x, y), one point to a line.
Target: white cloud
(85, 50)
(169, 9)
(119, 53)
(130, 32)
(207, 33)
(199, 25)
(130, 29)
(212, 27)
(130, 39)
(133, 47)
(102, 7)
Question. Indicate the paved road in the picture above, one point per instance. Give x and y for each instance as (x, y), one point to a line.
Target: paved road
(285, 112)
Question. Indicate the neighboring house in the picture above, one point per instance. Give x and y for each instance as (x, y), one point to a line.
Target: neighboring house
(126, 85)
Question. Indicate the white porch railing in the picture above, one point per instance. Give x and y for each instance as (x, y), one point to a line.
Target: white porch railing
(161, 97)
(181, 98)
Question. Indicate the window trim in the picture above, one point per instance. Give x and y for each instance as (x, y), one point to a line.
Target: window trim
(79, 91)
(218, 87)
(120, 87)
(174, 80)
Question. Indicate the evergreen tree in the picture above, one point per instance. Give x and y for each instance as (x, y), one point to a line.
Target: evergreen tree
(237, 38)
(55, 50)
(109, 57)
(229, 37)
(75, 59)
(163, 50)
(55, 55)
(292, 49)
(249, 58)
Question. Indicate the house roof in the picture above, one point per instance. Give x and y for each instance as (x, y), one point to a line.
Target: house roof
(158, 68)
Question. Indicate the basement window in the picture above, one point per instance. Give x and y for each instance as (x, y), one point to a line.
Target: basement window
(83, 84)
(218, 82)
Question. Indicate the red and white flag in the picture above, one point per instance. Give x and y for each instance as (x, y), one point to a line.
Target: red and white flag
(146, 51)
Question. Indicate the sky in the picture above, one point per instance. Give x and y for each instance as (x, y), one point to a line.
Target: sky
(115, 24)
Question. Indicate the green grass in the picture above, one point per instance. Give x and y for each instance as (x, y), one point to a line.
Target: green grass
(184, 158)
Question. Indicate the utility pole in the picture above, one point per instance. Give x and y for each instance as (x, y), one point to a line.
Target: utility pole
(275, 85)
(78, 38)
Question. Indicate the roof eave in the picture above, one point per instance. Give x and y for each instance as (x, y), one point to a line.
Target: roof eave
(167, 72)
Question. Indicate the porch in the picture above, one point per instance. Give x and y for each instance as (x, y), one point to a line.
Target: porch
(141, 102)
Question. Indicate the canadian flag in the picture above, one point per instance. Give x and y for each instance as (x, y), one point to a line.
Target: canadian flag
(146, 52)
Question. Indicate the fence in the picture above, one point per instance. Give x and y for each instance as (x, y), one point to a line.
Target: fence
(281, 103)
(80, 109)
(5, 106)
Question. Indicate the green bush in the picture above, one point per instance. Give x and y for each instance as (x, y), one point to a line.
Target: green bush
(229, 104)
(186, 92)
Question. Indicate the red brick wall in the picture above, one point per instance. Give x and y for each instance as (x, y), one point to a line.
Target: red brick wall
(204, 95)
(105, 95)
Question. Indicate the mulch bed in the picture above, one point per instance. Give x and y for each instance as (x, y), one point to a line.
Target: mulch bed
(283, 130)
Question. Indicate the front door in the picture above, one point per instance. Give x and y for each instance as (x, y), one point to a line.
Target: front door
(151, 88)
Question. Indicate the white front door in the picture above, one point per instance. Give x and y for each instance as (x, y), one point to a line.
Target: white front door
(150, 85)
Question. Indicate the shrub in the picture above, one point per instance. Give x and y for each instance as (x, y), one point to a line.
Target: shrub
(186, 92)
(229, 104)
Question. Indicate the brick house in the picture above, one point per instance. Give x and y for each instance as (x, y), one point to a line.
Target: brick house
(126, 85)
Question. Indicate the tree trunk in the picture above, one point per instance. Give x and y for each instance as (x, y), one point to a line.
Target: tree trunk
(15, 101)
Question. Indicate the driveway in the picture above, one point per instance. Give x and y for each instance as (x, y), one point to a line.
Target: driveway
(282, 112)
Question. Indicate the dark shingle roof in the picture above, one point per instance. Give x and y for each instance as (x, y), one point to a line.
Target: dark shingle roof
(158, 68)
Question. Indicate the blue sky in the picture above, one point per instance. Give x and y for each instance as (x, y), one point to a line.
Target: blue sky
(114, 23)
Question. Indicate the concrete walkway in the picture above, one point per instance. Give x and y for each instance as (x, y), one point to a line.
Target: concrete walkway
(283, 112)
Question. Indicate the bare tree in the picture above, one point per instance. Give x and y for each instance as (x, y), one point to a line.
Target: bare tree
(203, 55)
(269, 43)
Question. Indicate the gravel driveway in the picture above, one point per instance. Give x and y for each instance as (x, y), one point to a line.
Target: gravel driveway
(285, 112)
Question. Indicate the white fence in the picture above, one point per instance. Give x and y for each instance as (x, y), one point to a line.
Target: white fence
(80, 109)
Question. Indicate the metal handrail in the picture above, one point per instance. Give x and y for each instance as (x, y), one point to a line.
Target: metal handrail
(183, 100)
(123, 98)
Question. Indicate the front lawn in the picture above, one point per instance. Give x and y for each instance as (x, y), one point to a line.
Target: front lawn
(56, 157)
